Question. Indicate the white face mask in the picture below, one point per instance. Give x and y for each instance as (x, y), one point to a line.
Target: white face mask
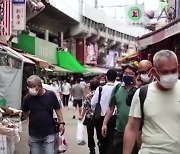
(168, 81)
(145, 78)
(33, 92)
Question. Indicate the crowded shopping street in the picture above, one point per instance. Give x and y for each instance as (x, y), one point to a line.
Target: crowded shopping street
(89, 76)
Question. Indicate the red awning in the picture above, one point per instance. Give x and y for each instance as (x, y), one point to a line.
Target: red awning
(168, 30)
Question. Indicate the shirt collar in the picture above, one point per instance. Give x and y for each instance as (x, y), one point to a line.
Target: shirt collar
(110, 83)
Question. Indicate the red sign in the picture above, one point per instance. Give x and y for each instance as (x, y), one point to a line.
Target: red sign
(5, 17)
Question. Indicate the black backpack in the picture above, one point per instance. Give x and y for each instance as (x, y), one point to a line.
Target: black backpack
(97, 111)
(142, 96)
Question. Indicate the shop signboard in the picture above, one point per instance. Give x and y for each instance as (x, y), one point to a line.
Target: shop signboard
(26, 43)
(134, 14)
(19, 16)
(5, 18)
(46, 50)
(18, 1)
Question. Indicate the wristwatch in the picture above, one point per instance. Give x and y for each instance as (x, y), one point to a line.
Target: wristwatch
(62, 123)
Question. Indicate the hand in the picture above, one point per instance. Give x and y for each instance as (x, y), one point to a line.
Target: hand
(80, 118)
(61, 129)
(138, 81)
(104, 130)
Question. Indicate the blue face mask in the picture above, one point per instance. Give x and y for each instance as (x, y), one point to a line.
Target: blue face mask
(128, 79)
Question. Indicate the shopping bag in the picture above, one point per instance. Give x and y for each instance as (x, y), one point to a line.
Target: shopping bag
(61, 143)
(70, 103)
(81, 139)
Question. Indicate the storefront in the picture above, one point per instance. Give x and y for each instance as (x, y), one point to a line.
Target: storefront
(166, 37)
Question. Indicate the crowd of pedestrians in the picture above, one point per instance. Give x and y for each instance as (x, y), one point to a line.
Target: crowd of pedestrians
(139, 112)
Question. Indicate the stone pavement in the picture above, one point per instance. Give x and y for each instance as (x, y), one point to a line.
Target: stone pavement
(70, 133)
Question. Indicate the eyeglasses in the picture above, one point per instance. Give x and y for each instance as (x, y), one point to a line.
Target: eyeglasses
(129, 73)
(144, 72)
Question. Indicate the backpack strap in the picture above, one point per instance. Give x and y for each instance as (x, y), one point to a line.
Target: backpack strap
(142, 97)
(100, 91)
(117, 88)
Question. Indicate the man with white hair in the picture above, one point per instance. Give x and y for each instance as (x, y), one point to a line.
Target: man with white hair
(160, 111)
(38, 106)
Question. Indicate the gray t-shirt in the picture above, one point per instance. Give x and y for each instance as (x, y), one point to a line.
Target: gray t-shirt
(77, 90)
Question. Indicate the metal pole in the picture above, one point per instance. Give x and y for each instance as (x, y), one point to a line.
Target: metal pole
(96, 4)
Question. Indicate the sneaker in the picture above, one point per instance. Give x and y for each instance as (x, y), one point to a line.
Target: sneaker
(74, 117)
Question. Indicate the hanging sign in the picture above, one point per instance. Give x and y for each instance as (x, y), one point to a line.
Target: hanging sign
(5, 17)
(19, 16)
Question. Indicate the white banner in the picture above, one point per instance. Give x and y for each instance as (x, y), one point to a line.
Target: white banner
(19, 16)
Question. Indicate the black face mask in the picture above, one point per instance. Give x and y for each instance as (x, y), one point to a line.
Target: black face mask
(128, 79)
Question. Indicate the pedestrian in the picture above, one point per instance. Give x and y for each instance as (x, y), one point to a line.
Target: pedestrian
(87, 112)
(118, 100)
(77, 93)
(38, 106)
(57, 90)
(66, 88)
(104, 142)
(82, 82)
(145, 76)
(102, 79)
(160, 111)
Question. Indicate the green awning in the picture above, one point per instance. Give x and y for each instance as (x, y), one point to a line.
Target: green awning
(67, 61)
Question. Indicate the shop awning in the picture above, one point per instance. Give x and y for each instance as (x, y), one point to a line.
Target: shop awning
(67, 61)
(60, 69)
(42, 63)
(93, 70)
(129, 57)
(24, 59)
(164, 32)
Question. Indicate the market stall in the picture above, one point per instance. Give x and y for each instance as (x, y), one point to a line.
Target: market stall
(167, 37)
(11, 73)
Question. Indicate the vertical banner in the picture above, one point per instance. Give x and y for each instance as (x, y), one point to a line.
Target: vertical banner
(111, 58)
(19, 14)
(5, 18)
(91, 54)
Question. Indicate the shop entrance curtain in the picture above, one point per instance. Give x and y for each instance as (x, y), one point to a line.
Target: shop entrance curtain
(67, 61)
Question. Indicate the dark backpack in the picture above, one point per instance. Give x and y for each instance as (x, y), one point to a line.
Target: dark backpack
(97, 111)
(115, 91)
(142, 96)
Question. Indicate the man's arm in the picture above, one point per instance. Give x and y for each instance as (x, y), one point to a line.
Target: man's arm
(108, 115)
(130, 134)
(61, 120)
(94, 99)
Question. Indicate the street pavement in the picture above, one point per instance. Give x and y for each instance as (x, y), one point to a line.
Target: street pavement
(70, 134)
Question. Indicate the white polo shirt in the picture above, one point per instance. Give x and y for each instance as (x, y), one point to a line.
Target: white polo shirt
(161, 129)
(105, 96)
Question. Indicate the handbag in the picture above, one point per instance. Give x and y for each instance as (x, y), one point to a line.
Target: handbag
(97, 111)
(80, 135)
(61, 143)
(88, 119)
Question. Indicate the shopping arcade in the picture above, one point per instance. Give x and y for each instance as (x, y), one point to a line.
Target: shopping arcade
(167, 37)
